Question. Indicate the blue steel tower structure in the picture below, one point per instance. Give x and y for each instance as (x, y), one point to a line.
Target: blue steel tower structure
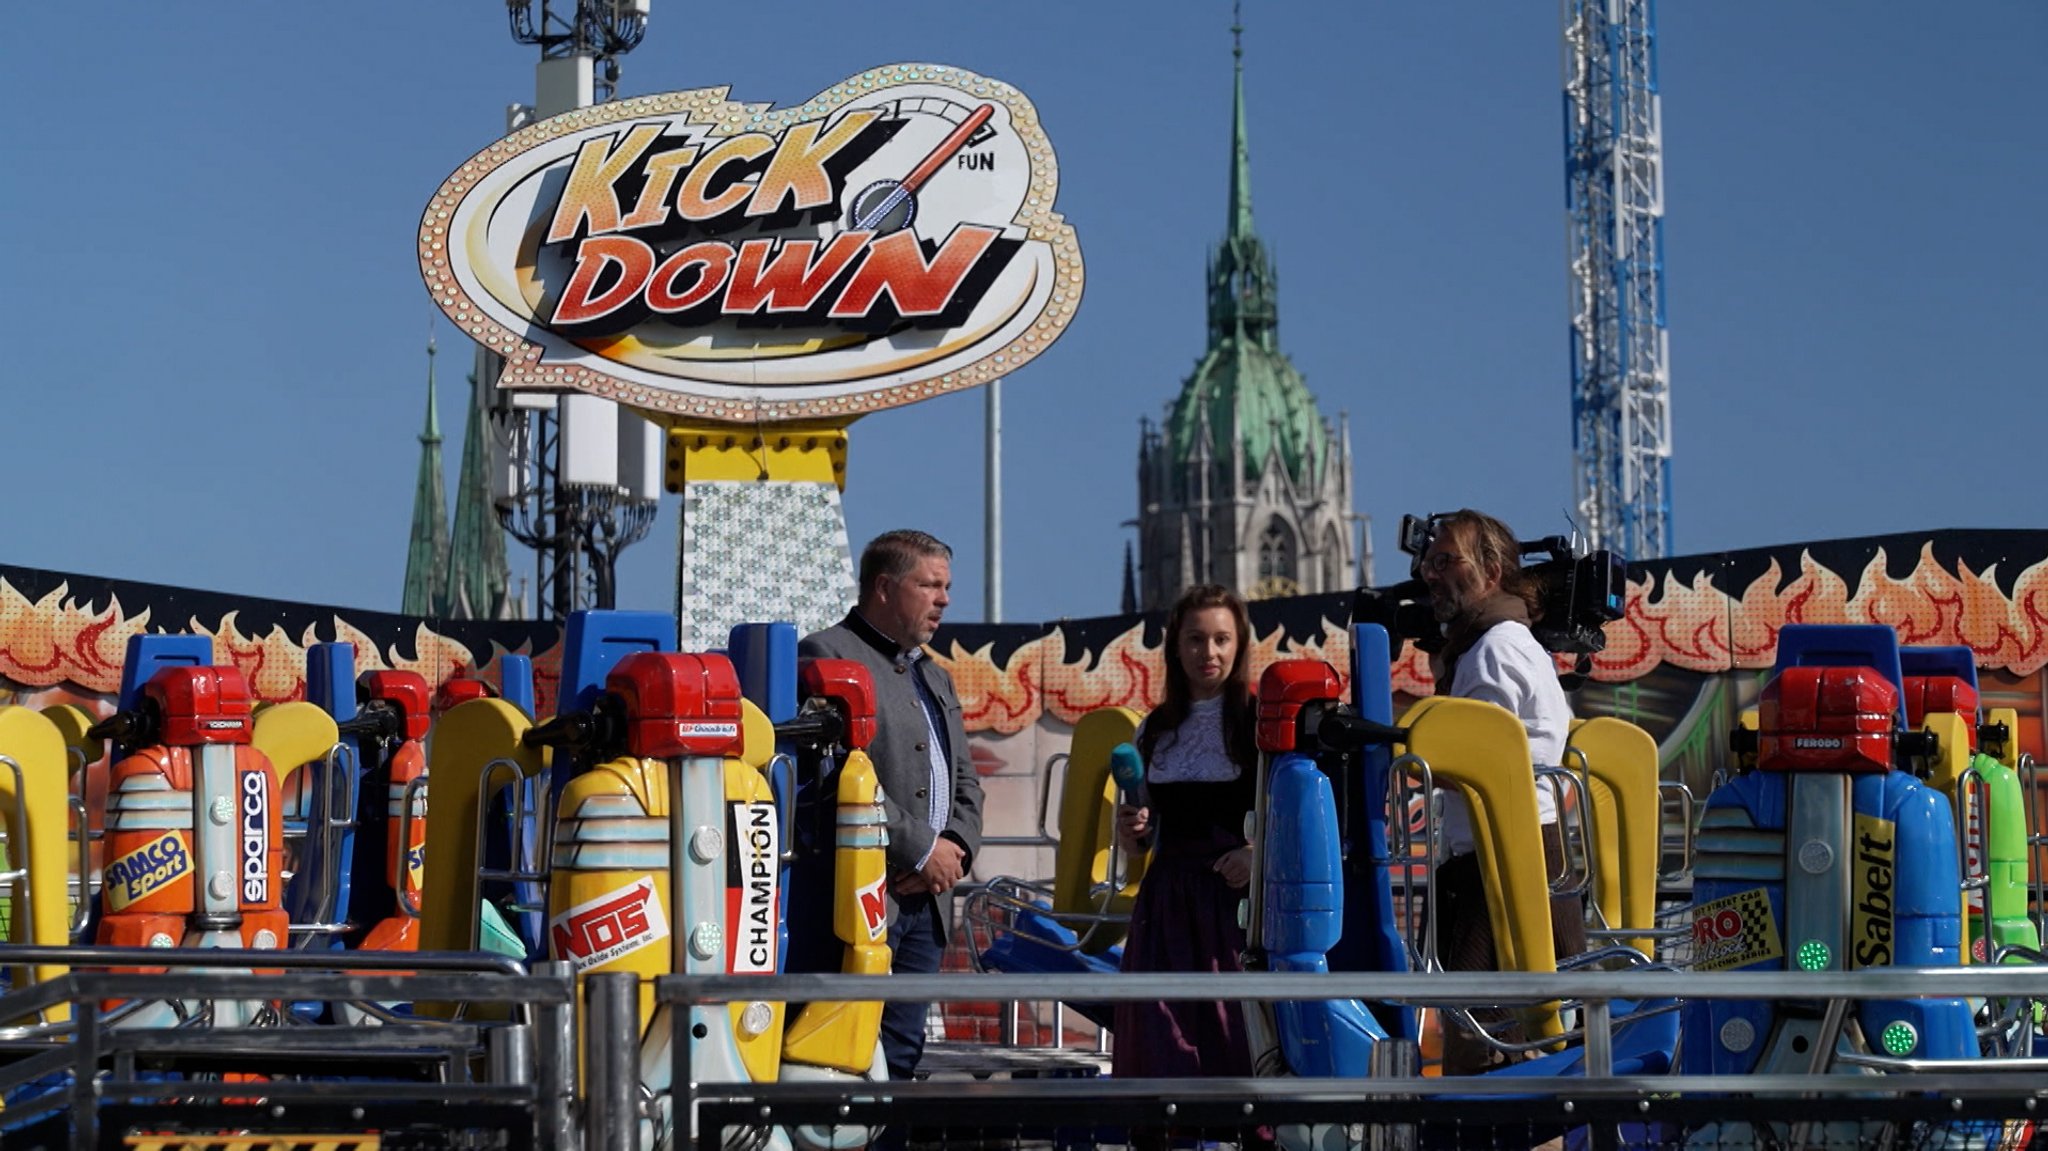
(1614, 192)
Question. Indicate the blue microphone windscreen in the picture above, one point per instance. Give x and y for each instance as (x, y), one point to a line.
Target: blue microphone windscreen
(1126, 767)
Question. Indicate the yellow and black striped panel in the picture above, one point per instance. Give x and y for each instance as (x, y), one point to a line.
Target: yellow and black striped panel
(292, 1141)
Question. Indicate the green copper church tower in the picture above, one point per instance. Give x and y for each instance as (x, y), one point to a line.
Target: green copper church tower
(1245, 483)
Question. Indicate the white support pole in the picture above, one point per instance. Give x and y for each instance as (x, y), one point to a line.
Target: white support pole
(992, 487)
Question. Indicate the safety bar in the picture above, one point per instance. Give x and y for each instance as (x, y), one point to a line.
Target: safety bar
(781, 758)
(1054, 768)
(1401, 845)
(2037, 837)
(1018, 896)
(85, 882)
(16, 878)
(1973, 835)
(1595, 959)
(1667, 789)
(17, 832)
(414, 796)
(526, 867)
(336, 772)
(1570, 791)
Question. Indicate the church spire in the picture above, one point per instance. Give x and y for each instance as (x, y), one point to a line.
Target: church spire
(1243, 292)
(1240, 224)
(478, 579)
(426, 556)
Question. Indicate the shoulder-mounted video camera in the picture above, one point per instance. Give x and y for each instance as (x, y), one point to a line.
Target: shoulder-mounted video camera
(1578, 593)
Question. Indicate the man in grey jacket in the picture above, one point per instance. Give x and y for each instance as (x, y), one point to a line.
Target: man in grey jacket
(929, 790)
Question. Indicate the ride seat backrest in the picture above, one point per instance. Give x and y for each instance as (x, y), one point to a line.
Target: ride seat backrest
(467, 739)
(1088, 799)
(1483, 750)
(36, 803)
(1622, 760)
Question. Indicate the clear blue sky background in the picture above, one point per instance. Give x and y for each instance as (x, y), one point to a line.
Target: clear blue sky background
(214, 326)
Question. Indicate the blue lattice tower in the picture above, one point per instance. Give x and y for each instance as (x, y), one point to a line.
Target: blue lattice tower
(1614, 192)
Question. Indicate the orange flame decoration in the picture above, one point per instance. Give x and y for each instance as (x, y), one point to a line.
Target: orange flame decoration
(1699, 627)
(1694, 625)
(56, 640)
(1039, 682)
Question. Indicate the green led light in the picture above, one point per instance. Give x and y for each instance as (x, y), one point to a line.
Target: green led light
(1899, 1038)
(1814, 956)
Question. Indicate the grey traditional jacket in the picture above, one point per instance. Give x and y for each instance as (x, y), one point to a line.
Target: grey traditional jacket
(901, 747)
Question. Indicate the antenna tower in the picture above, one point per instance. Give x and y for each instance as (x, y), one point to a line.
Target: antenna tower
(1614, 181)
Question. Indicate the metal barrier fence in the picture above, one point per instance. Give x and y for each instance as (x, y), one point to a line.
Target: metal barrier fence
(1873, 1102)
(499, 1067)
(494, 1068)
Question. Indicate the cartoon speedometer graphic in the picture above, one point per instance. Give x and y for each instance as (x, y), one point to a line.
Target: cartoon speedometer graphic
(891, 205)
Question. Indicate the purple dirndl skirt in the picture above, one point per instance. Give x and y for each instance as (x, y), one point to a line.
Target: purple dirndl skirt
(1185, 919)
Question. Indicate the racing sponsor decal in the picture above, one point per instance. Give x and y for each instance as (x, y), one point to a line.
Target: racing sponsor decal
(1872, 882)
(874, 908)
(146, 870)
(615, 924)
(1735, 931)
(255, 837)
(752, 888)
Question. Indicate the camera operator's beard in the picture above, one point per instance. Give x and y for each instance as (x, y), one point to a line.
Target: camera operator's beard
(1447, 607)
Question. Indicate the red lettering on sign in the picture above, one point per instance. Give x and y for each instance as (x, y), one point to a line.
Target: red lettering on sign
(582, 300)
(791, 281)
(874, 909)
(606, 925)
(896, 265)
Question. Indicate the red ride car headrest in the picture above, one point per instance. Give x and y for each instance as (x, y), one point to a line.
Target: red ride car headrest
(407, 693)
(1934, 694)
(678, 704)
(847, 684)
(201, 705)
(1283, 690)
(1834, 719)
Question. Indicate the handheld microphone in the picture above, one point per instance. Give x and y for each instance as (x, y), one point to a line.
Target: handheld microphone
(1128, 769)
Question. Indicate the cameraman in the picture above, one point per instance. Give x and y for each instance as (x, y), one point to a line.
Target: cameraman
(1485, 603)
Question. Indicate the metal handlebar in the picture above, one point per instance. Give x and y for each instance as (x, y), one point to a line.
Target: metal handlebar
(415, 793)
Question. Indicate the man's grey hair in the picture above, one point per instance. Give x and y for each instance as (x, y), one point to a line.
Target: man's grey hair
(891, 555)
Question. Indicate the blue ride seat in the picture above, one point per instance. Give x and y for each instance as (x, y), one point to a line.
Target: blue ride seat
(1037, 943)
(1644, 1045)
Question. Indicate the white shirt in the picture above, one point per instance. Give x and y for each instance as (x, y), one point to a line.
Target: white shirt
(1508, 667)
(941, 807)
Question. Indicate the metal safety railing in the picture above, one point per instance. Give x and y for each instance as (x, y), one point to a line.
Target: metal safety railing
(500, 1044)
(1808, 1106)
(506, 1046)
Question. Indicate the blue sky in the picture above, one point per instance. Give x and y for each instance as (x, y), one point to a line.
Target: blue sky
(215, 326)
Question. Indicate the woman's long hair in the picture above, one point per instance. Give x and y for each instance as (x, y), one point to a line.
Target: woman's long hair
(1240, 735)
